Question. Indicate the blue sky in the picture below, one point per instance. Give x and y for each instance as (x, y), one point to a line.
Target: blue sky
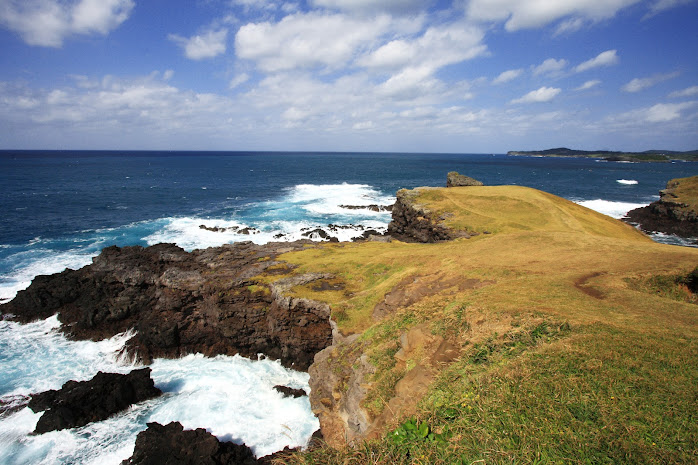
(349, 75)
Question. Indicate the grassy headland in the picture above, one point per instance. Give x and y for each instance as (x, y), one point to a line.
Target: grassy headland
(561, 352)
(648, 155)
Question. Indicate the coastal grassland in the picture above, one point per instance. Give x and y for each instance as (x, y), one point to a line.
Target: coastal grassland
(684, 191)
(561, 359)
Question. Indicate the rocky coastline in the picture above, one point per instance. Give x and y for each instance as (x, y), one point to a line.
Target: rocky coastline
(210, 301)
(674, 213)
(226, 300)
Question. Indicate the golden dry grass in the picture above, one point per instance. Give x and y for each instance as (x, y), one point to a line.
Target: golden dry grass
(547, 262)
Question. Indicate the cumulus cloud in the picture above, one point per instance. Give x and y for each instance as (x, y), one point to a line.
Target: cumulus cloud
(308, 40)
(687, 92)
(638, 84)
(607, 58)
(507, 76)
(437, 47)
(48, 23)
(550, 66)
(544, 94)
(663, 112)
(201, 46)
(528, 14)
(588, 85)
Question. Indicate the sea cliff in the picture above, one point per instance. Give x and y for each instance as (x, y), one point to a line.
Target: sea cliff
(676, 211)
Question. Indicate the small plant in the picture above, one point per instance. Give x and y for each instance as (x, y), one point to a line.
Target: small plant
(412, 431)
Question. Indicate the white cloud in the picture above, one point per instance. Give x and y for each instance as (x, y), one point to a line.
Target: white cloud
(48, 23)
(687, 92)
(638, 84)
(659, 113)
(544, 94)
(239, 80)
(588, 85)
(309, 40)
(550, 66)
(411, 83)
(201, 46)
(372, 6)
(527, 14)
(569, 26)
(437, 47)
(661, 5)
(663, 112)
(607, 58)
(507, 76)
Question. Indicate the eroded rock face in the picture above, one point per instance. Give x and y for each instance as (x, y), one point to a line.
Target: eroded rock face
(668, 214)
(78, 403)
(454, 179)
(412, 222)
(206, 301)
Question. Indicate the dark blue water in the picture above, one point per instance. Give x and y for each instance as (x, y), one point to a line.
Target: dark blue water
(60, 208)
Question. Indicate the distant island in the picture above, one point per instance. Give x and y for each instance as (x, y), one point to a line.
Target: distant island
(648, 155)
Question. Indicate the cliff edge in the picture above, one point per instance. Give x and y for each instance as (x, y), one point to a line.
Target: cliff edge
(676, 211)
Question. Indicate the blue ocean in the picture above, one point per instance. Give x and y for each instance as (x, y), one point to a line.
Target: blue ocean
(61, 208)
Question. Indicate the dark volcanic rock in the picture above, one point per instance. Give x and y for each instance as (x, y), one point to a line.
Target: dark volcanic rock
(372, 207)
(206, 301)
(172, 445)
(79, 403)
(666, 215)
(290, 392)
(319, 232)
(453, 179)
(413, 223)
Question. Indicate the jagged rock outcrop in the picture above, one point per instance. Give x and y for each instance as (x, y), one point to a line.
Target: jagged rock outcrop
(372, 207)
(669, 214)
(78, 403)
(287, 391)
(412, 222)
(206, 301)
(454, 179)
(172, 444)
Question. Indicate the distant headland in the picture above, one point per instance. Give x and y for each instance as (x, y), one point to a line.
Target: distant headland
(648, 155)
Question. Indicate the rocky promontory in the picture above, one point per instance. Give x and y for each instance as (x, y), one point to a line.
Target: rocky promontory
(213, 301)
(676, 211)
(78, 403)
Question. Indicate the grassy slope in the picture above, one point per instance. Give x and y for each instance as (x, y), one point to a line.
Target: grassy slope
(562, 360)
(685, 191)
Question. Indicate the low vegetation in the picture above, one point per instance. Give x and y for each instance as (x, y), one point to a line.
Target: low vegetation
(577, 336)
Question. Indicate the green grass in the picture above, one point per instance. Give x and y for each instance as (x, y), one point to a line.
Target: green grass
(574, 348)
(553, 403)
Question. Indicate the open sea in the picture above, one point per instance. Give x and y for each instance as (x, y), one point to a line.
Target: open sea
(60, 208)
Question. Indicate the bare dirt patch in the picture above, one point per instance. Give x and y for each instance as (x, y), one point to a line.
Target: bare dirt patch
(582, 284)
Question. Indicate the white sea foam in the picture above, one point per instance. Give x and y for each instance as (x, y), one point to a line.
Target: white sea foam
(327, 199)
(612, 209)
(232, 397)
(674, 240)
(628, 182)
(301, 209)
